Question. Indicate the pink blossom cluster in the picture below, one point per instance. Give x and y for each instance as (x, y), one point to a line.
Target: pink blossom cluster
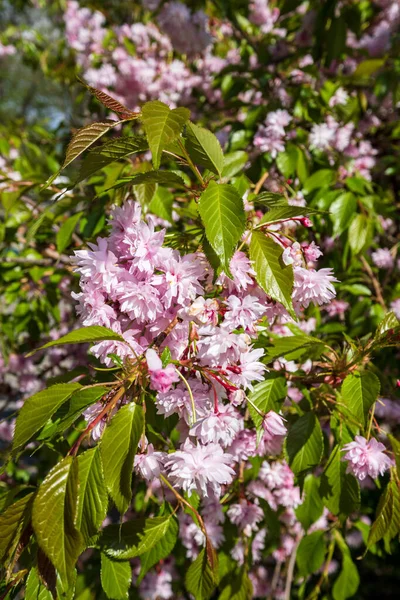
(152, 71)
(366, 458)
(138, 287)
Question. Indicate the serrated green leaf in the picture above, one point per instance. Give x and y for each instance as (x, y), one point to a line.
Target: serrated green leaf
(359, 392)
(311, 553)
(116, 578)
(35, 590)
(341, 211)
(162, 126)
(304, 443)
(74, 407)
(281, 212)
(54, 514)
(64, 234)
(160, 550)
(135, 538)
(162, 177)
(200, 579)
(293, 345)
(85, 137)
(360, 233)
(272, 274)
(161, 204)
(238, 588)
(312, 506)
(204, 148)
(348, 581)
(38, 409)
(93, 333)
(92, 494)
(319, 179)
(267, 395)
(12, 524)
(387, 521)
(118, 448)
(340, 491)
(234, 162)
(222, 212)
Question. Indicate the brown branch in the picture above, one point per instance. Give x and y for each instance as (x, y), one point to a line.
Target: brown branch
(375, 282)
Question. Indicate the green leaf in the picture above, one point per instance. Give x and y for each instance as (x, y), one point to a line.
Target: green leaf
(238, 588)
(281, 212)
(38, 409)
(163, 177)
(161, 204)
(360, 233)
(359, 392)
(319, 179)
(85, 137)
(160, 550)
(162, 126)
(341, 211)
(200, 579)
(93, 333)
(135, 538)
(272, 274)
(287, 161)
(92, 493)
(222, 212)
(311, 553)
(396, 449)
(100, 157)
(35, 590)
(74, 407)
(12, 524)
(116, 578)
(64, 234)
(387, 521)
(267, 395)
(339, 490)
(293, 346)
(204, 148)
(304, 443)
(368, 68)
(312, 506)
(121, 147)
(234, 162)
(54, 515)
(118, 448)
(336, 39)
(348, 581)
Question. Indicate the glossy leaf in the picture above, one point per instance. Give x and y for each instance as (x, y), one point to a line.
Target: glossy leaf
(339, 490)
(38, 409)
(118, 448)
(116, 578)
(267, 395)
(35, 590)
(160, 550)
(272, 274)
(359, 392)
(93, 333)
(136, 537)
(12, 524)
(304, 443)
(162, 126)
(311, 553)
(200, 580)
(222, 212)
(92, 494)
(204, 148)
(54, 517)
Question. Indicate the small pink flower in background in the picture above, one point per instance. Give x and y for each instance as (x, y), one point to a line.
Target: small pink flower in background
(245, 515)
(161, 379)
(312, 286)
(203, 469)
(366, 458)
(150, 464)
(382, 258)
(312, 252)
(337, 308)
(273, 424)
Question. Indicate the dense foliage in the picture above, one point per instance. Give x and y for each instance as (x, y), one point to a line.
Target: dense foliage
(200, 299)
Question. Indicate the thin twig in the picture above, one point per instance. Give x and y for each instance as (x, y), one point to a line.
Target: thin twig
(290, 571)
(375, 282)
